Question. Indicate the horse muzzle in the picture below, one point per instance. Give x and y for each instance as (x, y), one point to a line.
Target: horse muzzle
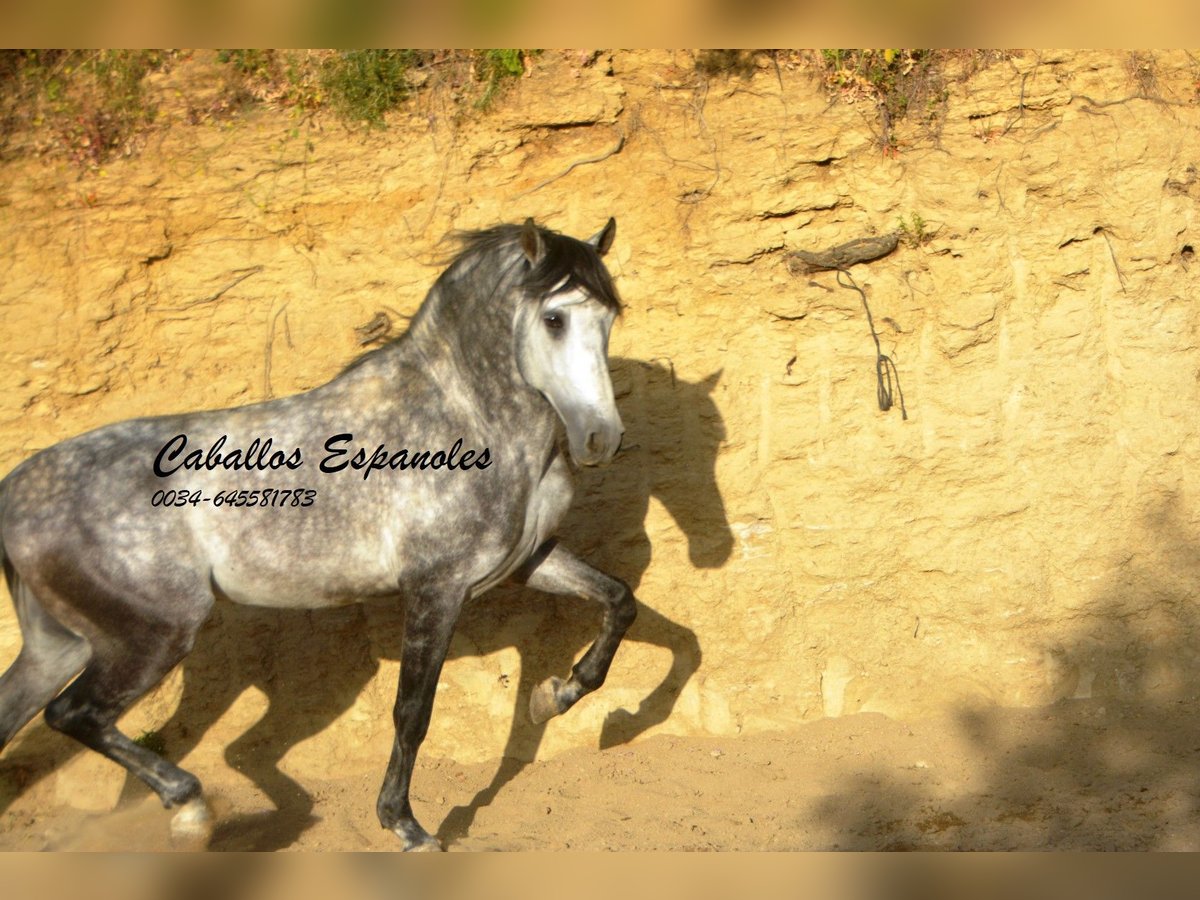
(595, 441)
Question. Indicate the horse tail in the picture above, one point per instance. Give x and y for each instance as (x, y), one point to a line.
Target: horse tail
(6, 564)
(9, 573)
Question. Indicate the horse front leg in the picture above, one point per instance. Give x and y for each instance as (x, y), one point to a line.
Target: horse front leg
(559, 571)
(429, 624)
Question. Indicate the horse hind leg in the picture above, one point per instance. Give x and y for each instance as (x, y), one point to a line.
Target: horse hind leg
(561, 572)
(50, 657)
(127, 660)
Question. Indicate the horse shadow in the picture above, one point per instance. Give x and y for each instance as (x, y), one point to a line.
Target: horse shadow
(672, 434)
(673, 431)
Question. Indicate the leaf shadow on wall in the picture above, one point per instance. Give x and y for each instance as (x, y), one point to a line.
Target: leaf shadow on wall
(673, 431)
(1112, 764)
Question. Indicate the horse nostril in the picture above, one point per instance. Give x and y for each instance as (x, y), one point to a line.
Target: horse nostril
(593, 442)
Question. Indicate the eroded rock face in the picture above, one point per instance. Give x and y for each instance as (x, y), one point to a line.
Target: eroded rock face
(1028, 534)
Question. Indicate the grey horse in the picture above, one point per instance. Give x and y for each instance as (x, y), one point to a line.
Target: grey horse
(429, 470)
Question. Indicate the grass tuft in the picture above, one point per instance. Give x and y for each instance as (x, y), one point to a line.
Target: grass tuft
(364, 85)
(495, 67)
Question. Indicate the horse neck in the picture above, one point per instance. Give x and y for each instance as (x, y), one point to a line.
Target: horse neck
(468, 349)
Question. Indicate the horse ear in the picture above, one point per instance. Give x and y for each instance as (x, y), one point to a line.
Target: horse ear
(603, 238)
(532, 242)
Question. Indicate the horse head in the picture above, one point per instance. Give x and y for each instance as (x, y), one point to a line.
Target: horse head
(562, 336)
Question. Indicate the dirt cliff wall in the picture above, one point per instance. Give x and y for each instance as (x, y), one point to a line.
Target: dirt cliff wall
(1029, 533)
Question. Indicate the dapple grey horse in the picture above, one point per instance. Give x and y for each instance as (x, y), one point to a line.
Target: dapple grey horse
(430, 470)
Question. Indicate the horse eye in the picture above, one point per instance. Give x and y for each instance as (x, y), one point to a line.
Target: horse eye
(554, 321)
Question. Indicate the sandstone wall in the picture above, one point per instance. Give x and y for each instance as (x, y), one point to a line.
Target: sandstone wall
(1028, 534)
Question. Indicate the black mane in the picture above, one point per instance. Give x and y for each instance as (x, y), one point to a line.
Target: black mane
(573, 262)
(564, 258)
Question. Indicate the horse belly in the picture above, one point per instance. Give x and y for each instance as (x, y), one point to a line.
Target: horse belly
(248, 590)
(283, 574)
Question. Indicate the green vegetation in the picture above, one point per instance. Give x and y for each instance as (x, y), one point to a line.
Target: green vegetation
(913, 232)
(94, 105)
(91, 103)
(494, 67)
(364, 85)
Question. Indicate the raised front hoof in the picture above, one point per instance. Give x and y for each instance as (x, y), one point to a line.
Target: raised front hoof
(544, 703)
(192, 826)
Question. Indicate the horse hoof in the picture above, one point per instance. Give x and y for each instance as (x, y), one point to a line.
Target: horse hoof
(429, 846)
(543, 703)
(192, 826)
(422, 842)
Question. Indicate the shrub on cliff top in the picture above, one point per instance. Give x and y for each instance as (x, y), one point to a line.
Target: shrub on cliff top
(90, 104)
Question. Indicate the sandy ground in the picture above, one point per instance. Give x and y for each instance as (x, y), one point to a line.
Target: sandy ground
(1072, 776)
